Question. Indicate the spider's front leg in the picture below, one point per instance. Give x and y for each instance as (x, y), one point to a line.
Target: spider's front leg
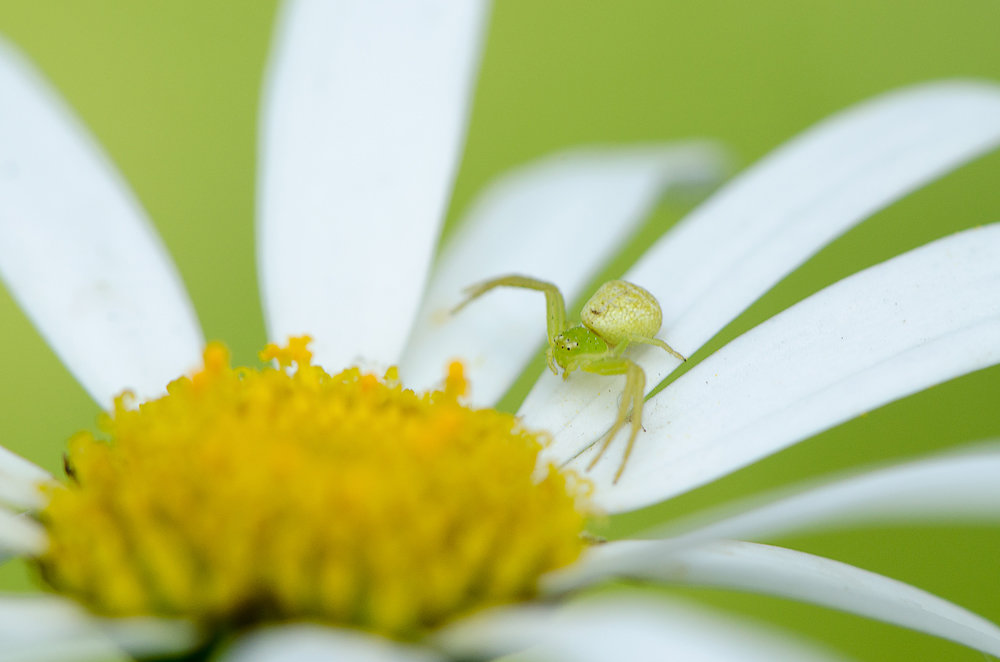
(555, 305)
(635, 386)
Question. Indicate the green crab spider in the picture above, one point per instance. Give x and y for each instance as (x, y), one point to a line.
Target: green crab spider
(618, 315)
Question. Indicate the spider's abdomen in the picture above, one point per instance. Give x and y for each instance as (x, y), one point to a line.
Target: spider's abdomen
(619, 310)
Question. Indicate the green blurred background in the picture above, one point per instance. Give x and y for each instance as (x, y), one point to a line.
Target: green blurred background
(170, 88)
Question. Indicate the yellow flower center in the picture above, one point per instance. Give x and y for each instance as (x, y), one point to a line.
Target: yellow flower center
(248, 495)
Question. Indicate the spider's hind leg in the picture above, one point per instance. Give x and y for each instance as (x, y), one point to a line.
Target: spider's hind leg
(643, 340)
(635, 386)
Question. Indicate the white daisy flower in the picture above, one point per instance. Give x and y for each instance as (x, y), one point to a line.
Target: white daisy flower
(210, 521)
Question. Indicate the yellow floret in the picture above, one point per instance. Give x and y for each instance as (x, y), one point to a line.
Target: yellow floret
(248, 495)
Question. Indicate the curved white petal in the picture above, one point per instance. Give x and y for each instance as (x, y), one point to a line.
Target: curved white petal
(783, 572)
(19, 481)
(150, 637)
(363, 121)
(78, 253)
(20, 495)
(26, 618)
(751, 234)
(913, 321)
(36, 628)
(957, 487)
(558, 219)
(15, 467)
(624, 628)
(312, 643)
(20, 535)
(82, 648)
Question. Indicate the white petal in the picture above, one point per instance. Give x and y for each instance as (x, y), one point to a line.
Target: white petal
(496, 632)
(623, 628)
(20, 495)
(40, 628)
(149, 637)
(558, 219)
(78, 253)
(957, 487)
(308, 643)
(748, 236)
(82, 648)
(364, 117)
(20, 535)
(26, 618)
(19, 481)
(37, 628)
(783, 572)
(916, 320)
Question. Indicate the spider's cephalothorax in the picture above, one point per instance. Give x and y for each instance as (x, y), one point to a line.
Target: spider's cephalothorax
(619, 314)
